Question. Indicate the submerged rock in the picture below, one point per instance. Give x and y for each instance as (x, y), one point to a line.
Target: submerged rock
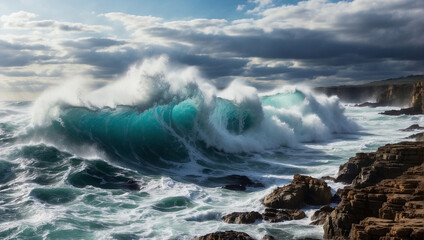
(227, 235)
(235, 187)
(320, 215)
(328, 178)
(242, 217)
(412, 128)
(279, 215)
(417, 136)
(132, 185)
(239, 183)
(302, 190)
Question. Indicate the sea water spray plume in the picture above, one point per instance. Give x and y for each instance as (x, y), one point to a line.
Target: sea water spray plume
(161, 114)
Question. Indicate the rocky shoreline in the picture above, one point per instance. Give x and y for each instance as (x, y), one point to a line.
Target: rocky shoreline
(385, 199)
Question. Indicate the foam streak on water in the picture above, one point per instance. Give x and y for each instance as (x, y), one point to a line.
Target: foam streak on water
(66, 159)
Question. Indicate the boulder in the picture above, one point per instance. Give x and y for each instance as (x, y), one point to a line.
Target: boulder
(302, 190)
(242, 217)
(279, 215)
(318, 218)
(227, 235)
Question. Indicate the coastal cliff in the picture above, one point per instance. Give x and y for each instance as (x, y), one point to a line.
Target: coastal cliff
(391, 92)
(386, 199)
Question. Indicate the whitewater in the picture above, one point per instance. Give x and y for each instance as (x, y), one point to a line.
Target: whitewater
(69, 159)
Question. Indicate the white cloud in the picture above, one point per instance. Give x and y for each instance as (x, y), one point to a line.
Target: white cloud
(240, 7)
(261, 4)
(23, 21)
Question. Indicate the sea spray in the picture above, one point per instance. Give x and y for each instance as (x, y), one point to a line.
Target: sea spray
(157, 106)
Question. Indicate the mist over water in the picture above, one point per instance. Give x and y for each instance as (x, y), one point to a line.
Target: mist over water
(66, 159)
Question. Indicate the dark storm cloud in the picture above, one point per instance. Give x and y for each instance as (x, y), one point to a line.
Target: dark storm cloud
(290, 44)
(107, 64)
(18, 54)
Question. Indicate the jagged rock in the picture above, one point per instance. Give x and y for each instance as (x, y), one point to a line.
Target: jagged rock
(417, 136)
(328, 178)
(242, 217)
(302, 190)
(351, 169)
(389, 161)
(320, 215)
(227, 235)
(268, 237)
(412, 128)
(387, 210)
(279, 215)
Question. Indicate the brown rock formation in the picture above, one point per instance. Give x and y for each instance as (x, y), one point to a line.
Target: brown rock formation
(242, 217)
(302, 190)
(418, 96)
(417, 102)
(279, 215)
(391, 209)
(227, 235)
(391, 92)
(389, 161)
(320, 215)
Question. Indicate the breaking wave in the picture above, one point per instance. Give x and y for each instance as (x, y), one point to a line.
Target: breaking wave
(159, 113)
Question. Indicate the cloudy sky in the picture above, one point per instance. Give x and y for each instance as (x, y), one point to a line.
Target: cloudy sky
(264, 42)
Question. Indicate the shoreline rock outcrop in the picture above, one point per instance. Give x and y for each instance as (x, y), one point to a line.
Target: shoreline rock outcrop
(389, 161)
(302, 190)
(386, 199)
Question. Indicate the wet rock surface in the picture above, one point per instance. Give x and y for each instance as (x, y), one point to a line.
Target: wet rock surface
(412, 128)
(227, 235)
(239, 183)
(320, 215)
(242, 217)
(417, 136)
(279, 215)
(302, 190)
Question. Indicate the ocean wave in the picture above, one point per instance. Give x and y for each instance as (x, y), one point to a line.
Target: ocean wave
(159, 113)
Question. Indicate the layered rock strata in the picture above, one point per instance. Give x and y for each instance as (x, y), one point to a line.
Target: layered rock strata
(391, 209)
(389, 161)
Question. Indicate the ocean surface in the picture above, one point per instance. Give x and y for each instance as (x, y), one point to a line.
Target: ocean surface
(70, 161)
